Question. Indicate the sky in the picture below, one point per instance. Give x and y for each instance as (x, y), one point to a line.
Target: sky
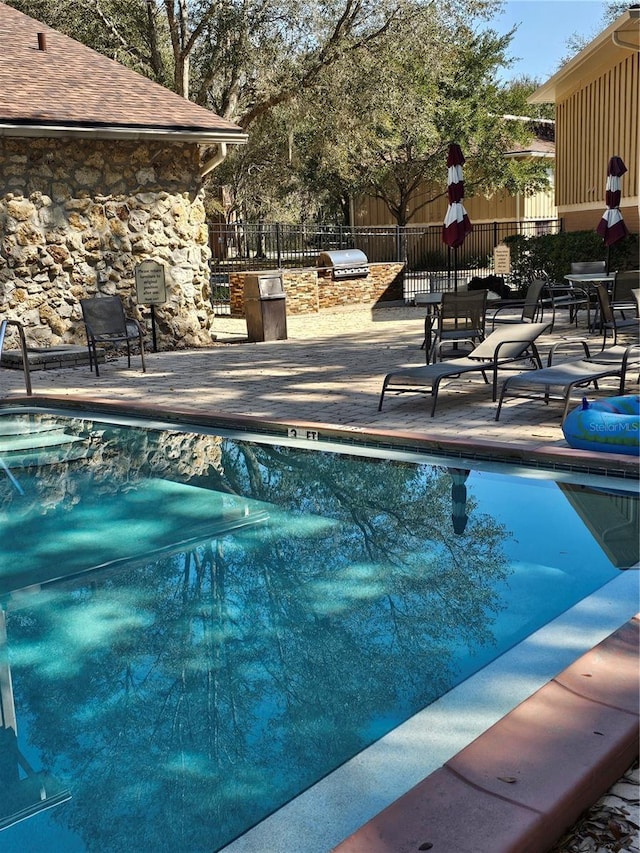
(544, 27)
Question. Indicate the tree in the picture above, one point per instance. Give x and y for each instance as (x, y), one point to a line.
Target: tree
(382, 126)
(575, 43)
(370, 92)
(514, 96)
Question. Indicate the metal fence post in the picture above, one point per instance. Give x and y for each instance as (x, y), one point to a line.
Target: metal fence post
(278, 246)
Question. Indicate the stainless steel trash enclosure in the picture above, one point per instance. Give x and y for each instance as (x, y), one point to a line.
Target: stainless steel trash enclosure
(265, 307)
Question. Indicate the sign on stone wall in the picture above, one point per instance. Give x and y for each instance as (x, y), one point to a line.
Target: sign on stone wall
(150, 284)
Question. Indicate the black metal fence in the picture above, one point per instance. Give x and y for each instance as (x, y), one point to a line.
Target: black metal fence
(264, 246)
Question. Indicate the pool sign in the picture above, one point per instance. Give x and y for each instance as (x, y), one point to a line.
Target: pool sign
(150, 286)
(502, 260)
(151, 290)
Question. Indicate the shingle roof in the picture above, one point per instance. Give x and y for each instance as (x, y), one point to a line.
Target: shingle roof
(70, 89)
(535, 148)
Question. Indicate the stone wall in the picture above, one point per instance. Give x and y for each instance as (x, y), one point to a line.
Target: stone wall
(309, 290)
(77, 216)
(383, 284)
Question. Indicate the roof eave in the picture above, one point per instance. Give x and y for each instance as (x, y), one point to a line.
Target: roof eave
(529, 153)
(129, 133)
(546, 94)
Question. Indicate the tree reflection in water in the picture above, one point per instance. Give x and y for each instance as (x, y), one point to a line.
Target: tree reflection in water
(183, 700)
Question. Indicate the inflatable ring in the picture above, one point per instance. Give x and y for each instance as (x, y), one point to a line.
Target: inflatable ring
(611, 425)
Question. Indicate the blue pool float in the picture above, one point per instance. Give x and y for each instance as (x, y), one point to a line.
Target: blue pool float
(611, 425)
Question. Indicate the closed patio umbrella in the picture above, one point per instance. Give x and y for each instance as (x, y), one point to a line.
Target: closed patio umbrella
(611, 227)
(456, 223)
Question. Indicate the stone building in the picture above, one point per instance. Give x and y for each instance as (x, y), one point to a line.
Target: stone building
(100, 169)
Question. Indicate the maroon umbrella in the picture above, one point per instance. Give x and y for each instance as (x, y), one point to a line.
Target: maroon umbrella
(456, 223)
(611, 227)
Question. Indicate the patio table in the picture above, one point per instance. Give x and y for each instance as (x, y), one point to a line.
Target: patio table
(588, 281)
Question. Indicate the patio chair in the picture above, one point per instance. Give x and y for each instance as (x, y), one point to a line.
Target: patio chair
(106, 325)
(531, 308)
(501, 348)
(567, 295)
(608, 320)
(585, 276)
(459, 318)
(557, 381)
(622, 298)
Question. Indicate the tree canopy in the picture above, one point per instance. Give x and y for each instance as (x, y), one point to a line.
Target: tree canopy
(339, 97)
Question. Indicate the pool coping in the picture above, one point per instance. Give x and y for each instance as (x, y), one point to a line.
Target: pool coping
(538, 454)
(519, 785)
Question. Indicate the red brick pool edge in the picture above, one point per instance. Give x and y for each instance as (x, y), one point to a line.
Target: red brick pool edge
(523, 782)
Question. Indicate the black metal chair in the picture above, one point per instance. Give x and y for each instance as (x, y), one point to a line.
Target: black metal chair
(4, 324)
(530, 309)
(622, 298)
(566, 295)
(106, 325)
(588, 267)
(591, 268)
(459, 318)
(608, 321)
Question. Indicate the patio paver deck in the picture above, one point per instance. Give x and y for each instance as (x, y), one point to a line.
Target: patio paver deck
(330, 371)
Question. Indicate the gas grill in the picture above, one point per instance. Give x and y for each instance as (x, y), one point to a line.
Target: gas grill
(345, 263)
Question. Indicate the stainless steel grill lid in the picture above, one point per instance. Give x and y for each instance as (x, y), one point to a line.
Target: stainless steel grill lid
(345, 263)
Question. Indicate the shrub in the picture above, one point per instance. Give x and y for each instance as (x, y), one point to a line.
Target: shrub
(554, 253)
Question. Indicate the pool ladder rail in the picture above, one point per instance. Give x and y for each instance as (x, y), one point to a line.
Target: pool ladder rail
(23, 349)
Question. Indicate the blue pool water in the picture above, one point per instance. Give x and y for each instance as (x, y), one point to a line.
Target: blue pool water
(195, 628)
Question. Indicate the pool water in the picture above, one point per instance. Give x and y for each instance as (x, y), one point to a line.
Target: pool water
(196, 628)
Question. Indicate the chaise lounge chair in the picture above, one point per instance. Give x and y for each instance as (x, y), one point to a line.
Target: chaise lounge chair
(557, 381)
(501, 348)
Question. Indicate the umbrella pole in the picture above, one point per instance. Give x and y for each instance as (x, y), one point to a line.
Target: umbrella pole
(455, 269)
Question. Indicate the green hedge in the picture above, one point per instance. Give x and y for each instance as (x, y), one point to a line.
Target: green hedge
(554, 253)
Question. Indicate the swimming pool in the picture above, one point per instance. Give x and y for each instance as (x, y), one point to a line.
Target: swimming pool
(200, 624)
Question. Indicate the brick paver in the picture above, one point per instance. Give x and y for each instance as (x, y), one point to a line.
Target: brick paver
(329, 370)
